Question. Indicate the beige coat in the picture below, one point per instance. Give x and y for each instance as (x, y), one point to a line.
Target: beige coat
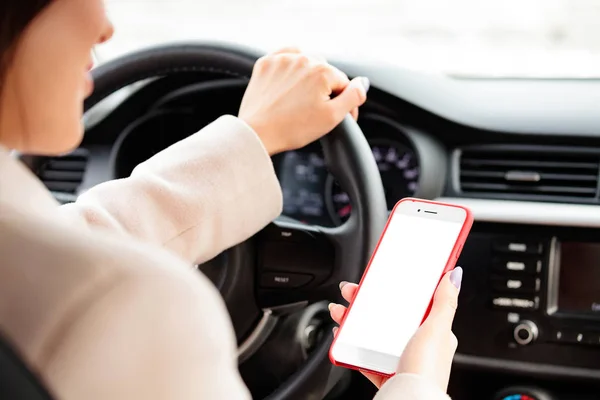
(99, 297)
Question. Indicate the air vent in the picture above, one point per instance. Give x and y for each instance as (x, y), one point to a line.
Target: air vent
(64, 174)
(529, 173)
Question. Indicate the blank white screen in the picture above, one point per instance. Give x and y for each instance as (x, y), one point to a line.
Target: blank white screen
(402, 278)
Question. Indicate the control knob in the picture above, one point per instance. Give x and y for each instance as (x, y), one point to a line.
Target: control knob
(525, 332)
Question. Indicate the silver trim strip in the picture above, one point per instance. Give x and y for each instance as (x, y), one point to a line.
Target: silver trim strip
(522, 176)
(258, 336)
(532, 213)
(265, 327)
(553, 277)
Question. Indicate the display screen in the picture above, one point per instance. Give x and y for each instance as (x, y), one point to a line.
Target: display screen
(579, 284)
(400, 282)
(302, 178)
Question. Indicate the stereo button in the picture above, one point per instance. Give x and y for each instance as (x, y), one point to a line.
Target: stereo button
(575, 337)
(516, 303)
(559, 336)
(284, 280)
(516, 246)
(516, 285)
(516, 266)
(583, 338)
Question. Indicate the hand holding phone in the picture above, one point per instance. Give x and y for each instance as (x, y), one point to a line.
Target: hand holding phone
(430, 352)
(420, 243)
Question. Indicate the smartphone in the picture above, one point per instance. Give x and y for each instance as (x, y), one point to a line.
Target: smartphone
(420, 243)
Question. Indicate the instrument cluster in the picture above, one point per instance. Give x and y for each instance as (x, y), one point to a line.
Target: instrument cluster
(312, 195)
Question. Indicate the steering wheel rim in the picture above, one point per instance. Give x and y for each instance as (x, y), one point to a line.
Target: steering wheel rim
(347, 156)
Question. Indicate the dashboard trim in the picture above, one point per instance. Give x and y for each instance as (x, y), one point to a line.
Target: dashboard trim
(258, 337)
(553, 276)
(454, 175)
(529, 212)
(525, 367)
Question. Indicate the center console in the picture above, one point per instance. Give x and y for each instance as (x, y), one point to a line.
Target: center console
(530, 300)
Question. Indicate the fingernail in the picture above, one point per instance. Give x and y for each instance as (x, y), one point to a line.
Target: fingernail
(456, 277)
(365, 82)
(342, 284)
(330, 306)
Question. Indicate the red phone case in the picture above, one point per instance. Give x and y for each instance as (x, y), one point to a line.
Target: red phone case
(462, 237)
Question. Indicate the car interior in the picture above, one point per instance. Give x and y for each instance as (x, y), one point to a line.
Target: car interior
(522, 154)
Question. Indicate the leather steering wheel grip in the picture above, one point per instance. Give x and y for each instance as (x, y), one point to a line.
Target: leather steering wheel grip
(219, 59)
(347, 155)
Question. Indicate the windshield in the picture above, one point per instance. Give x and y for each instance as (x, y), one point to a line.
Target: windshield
(474, 38)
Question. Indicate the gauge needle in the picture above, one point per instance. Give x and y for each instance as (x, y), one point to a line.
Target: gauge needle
(344, 212)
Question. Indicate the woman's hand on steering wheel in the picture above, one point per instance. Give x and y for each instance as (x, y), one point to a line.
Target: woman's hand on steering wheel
(431, 350)
(294, 99)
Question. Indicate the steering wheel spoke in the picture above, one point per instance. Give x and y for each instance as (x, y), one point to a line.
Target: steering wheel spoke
(293, 262)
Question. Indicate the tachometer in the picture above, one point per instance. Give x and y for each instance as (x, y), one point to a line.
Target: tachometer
(399, 168)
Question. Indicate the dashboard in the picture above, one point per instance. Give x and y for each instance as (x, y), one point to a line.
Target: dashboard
(519, 154)
(312, 195)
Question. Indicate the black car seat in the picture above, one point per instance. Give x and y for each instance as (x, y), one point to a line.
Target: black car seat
(17, 382)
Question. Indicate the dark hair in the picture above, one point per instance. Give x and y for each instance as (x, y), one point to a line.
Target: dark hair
(15, 16)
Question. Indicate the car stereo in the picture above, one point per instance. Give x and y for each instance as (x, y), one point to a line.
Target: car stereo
(531, 294)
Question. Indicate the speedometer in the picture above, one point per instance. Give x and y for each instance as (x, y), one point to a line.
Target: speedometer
(399, 169)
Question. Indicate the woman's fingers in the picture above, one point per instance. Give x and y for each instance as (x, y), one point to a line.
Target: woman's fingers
(445, 300)
(431, 350)
(353, 96)
(376, 380)
(292, 92)
(337, 312)
(338, 81)
(348, 290)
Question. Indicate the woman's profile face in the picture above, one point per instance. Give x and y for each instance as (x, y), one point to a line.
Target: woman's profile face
(47, 80)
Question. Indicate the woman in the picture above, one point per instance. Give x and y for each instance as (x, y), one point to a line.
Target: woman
(97, 296)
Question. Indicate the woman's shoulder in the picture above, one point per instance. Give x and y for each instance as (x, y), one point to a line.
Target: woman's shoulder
(61, 281)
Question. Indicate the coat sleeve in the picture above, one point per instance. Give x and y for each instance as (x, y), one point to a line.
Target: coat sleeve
(152, 335)
(197, 198)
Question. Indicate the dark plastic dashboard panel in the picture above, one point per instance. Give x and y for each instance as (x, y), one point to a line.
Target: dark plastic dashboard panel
(485, 332)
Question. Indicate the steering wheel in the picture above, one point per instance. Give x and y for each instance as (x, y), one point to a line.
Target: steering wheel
(289, 264)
